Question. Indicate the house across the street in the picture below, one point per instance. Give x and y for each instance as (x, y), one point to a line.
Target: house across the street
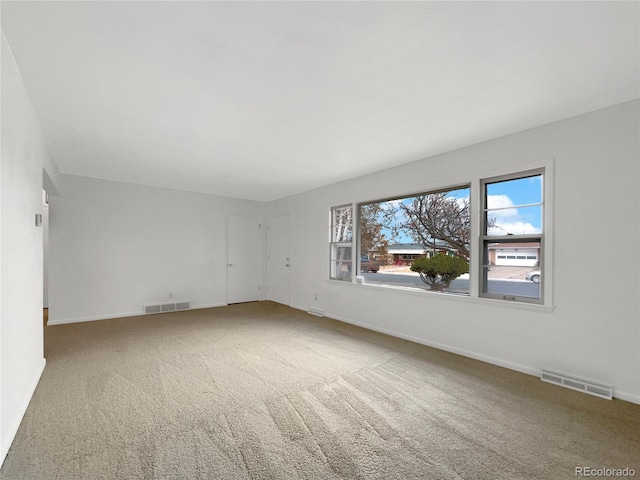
(515, 254)
(525, 254)
(406, 253)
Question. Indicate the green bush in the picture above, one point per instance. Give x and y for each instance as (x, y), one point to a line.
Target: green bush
(439, 271)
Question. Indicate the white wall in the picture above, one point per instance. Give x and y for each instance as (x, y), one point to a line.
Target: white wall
(24, 155)
(116, 246)
(593, 330)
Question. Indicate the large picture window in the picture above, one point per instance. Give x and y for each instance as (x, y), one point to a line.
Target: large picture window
(512, 237)
(341, 254)
(397, 235)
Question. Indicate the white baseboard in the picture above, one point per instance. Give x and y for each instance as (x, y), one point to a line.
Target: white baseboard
(10, 433)
(629, 397)
(64, 321)
(210, 305)
(440, 346)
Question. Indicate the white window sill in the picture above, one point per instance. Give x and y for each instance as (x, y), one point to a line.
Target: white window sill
(451, 297)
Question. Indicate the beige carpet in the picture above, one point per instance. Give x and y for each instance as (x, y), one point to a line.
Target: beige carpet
(263, 391)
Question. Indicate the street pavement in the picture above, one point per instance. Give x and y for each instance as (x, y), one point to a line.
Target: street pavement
(507, 281)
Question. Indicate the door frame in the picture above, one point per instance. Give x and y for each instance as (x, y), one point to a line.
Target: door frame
(268, 253)
(259, 242)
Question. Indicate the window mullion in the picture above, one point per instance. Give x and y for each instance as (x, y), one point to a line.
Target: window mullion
(477, 208)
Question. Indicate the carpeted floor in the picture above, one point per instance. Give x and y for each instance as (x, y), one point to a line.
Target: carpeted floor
(263, 391)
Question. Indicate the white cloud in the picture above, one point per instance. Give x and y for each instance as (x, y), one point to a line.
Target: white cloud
(508, 220)
(513, 228)
(503, 202)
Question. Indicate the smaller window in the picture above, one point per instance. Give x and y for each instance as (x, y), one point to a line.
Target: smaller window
(512, 224)
(341, 251)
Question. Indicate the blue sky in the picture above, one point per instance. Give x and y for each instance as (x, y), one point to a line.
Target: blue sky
(505, 200)
(521, 191)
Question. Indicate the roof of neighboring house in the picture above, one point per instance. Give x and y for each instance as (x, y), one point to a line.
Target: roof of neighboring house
(511, 246)
(417, 249)
(414, 248)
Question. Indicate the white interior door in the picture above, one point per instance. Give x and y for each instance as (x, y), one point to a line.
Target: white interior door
(243, 259)
(279, 263)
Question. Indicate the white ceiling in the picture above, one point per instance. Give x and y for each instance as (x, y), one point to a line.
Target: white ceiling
(261, 100)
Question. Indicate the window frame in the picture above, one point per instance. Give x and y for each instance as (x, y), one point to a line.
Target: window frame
(454, 186)
(484, 239)
(337, 243)
(472, 179)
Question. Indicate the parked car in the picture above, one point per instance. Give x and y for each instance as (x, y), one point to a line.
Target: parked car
(367, 265)
(534, 276)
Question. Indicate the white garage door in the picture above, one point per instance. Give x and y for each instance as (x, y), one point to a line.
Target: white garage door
(517, 257)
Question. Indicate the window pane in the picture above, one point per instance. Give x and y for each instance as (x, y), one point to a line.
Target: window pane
(504, 253)
(341, 262)
(342, 224)
(342, 233)
(341, 252)
(396, 232)
(519, 191)
(513, 281)
(512, 268)
(341, 270)
(515, 221)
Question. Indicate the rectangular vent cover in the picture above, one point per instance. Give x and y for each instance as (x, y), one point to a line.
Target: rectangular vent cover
(166, 307)
(581, 385)
(152, 309)
(315, 311)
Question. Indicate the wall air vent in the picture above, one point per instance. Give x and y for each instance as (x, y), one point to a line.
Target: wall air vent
(152, 308)
(166, 307)
(182, 305)
(316, 312)
(574, 383)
